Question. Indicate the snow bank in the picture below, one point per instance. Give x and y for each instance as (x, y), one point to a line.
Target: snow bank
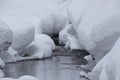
(46, 17)
(108, 67)
(23, 32)
(99, 27)
(75, 10)
(41, 47)
(45, 14)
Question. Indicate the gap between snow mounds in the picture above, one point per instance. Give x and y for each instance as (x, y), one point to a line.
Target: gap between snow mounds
(77, 55)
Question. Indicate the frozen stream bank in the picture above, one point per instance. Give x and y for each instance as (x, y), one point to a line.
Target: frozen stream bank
(60, 67)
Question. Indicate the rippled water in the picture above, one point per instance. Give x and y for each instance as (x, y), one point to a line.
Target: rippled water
(56, 68)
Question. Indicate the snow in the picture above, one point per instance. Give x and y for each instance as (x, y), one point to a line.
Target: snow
(1, 73)
(75, 10)
(93, 25)
(23, 32)
(45, 15)
(73, 43)
(23, 17)
(26, 77)
(108, 67)
(6, 36)
(41, 47)
(2, 63)
(99, 27)
(63, 34)
(68, 38)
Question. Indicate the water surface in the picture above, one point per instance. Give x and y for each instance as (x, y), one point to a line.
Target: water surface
(56, 68)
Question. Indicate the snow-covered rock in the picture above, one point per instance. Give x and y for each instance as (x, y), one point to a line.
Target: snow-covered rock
(108, 68)
(99, 27)
(23, 32)
(26, 77)
(64, 34)
(68, 38)
(41, 47)
(73, 43)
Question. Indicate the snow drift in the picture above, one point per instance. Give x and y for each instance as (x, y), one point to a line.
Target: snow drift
(75, 10)
(108, 67)
(40, 48)
(47, 15)
(23, 32)
(98, 26)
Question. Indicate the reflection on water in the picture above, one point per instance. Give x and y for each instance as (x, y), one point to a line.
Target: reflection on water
(57, 68)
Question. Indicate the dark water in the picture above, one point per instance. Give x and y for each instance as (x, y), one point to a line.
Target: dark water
(56, 68)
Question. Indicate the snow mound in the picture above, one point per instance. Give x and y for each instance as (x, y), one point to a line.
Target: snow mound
(41, 47)
(68, 38)
(63, 35)
(23, 32)
(52, 22)
(75, 10)
(73, 43)
(99, 27)
(108, 67)
(47, 15)
(5, 42)
(25, 77)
